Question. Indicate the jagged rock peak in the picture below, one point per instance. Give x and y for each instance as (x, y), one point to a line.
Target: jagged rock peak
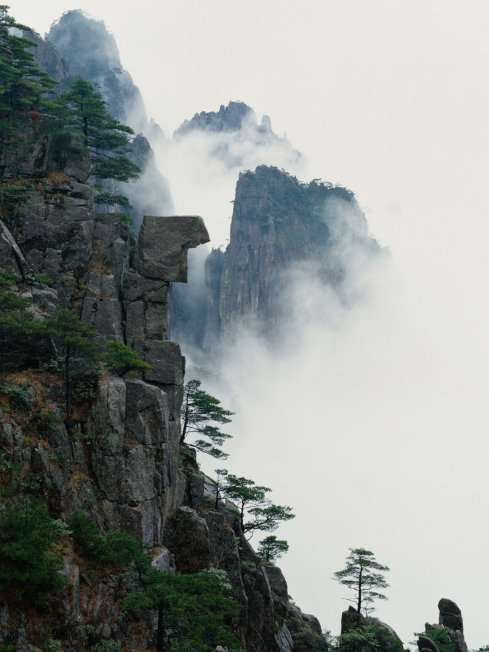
(91, 52)
(228, 118)
(450, 626)
(450, 614)
(76, 30)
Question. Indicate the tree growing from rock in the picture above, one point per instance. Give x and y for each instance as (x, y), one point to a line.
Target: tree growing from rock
(22, 84)
(29, 562)
(121, 359)
(271, 548)
(252, 501)
(82, 112)
(75, 344)
(193, 609)
(364, 576)
(200, 413)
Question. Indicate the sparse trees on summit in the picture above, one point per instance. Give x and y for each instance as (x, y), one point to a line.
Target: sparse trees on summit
(364, 576)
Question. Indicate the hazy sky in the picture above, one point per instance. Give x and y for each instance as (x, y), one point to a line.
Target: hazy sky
(377, 433)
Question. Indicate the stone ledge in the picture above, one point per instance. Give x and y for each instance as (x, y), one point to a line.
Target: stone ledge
(163, 244)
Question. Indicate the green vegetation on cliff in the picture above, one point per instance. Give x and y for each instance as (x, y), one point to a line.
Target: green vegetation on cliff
(30, 563)
(23, 86)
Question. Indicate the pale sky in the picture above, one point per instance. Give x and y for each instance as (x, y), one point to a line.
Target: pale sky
(388, 449)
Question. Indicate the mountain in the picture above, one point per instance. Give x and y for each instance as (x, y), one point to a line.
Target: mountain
(93, 476)
(280, 229)
(237, 139)
(91, 52)
(85, 48)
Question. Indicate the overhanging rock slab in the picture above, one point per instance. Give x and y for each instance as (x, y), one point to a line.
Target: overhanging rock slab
(163, 245)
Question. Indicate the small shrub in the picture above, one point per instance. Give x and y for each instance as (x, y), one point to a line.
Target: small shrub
(86, 373)
(6, 465)
(107, 646)
(18, 395)
(30, 565)
(32, 484)
(44, 278)
(51, 366)
(88, 539)
(115, 547)
(121, 359)
(52, 645)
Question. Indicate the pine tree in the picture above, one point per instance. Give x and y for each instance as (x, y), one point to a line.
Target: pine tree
(252, 500)
(82, 112)
(363, 575)
(23, 86)
(76, 341)
(121, 359)
(30, 565)
(271, 548)
(200, 411)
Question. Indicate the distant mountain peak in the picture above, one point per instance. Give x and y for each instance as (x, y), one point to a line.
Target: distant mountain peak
(229, 118)
(89, 37)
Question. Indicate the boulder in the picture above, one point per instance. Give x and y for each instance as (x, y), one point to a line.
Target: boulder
(163, 244)
(450, 614)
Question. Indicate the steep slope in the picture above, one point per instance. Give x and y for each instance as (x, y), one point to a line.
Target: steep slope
(119, 460)
(87, 49)
(279, 224)
(281, 230)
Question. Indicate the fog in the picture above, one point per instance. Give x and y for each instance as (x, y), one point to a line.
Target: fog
(373, 421)
(202, 168)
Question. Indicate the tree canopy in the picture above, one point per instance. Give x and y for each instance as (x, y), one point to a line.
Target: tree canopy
(252, 501)
(22, 84)
(200, 413)
(364, 576)
(30, 564)
(271, 548)
(82, 112)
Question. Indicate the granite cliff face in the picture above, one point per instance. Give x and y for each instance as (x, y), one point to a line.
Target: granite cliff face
(280, 228)
(120, 461)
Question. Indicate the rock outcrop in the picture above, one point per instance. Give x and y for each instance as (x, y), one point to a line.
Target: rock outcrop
(281, 230)
(448, 634)
(386, 638)
(119, 461)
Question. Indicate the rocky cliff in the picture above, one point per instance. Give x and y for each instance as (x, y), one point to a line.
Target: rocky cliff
(281, 229)
(119, 461)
